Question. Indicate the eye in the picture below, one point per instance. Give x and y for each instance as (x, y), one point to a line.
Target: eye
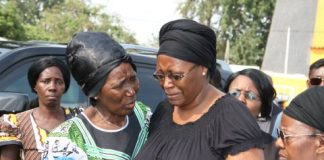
(176, 76)
(235, 93)
(158, 76)
(251, 95)
(46, 81)
(60, 82)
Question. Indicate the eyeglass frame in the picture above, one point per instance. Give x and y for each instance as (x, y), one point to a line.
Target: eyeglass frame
(247, 94)
(284, 136)
(172, 76)
(317, 78)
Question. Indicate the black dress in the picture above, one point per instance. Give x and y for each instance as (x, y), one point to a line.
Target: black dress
(227, 128)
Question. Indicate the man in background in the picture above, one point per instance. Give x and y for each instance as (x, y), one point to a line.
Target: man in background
(316, 74)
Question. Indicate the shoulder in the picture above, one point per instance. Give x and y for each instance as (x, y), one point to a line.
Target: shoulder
(66, 128)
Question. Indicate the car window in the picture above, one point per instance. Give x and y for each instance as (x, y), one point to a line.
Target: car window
(150, 92)
(15, 80)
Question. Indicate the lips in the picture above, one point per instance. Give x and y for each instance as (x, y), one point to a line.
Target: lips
(130, 105)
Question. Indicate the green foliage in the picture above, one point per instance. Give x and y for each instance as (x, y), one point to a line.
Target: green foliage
(245, 23)
(10, 22)
(57, 20)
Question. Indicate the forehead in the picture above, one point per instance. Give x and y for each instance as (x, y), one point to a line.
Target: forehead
(124, 69)
(319, 72)
(51, 72)
(168, 62)
(244, 83)
(292, 125)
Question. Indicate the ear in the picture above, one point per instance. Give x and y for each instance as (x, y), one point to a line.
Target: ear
(308, 83)
(320, 148)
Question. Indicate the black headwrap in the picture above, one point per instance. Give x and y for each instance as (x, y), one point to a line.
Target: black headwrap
(308, 107)
(91, 57)
(190, 41)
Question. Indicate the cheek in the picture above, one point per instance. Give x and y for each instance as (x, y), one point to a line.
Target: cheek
(254, 106)
(301, 150)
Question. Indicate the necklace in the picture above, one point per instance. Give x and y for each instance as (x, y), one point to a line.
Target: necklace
(104, 119)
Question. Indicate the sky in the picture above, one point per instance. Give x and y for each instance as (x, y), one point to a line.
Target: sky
(143, 17)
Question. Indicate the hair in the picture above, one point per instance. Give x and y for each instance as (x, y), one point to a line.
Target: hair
(263, 85)
(317, 64)
(40, 65)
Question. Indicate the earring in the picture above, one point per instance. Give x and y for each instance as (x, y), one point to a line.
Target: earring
(204, 73)
(96, 98)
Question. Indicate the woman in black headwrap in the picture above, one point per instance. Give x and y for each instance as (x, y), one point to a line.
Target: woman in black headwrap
(196, 121)
(115, 125)
(302, 127)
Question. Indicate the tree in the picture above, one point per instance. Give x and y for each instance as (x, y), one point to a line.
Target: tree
(10, 22)
(58, 20)
(245, 23)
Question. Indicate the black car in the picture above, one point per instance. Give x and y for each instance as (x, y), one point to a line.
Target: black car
(16, 58)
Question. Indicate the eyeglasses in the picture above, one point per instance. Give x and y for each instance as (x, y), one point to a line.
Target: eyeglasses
(247, 94)
(316, 81)
(284, 136)
(172, 76)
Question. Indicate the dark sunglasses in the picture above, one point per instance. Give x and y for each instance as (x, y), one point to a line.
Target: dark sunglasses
(172, 76)
(284, 136)
(316, 81)
(247, 94)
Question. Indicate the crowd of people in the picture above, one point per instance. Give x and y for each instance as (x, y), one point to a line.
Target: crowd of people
(197, 120)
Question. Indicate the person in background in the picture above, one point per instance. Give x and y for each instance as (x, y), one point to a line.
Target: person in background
(197, 120)
(49, 78)
(302, 127)
(255, 90)
(115, 125)
(316, 74)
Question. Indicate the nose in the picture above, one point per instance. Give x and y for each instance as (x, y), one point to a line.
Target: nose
(130, 91)
(52, 86)
(322, 83)
(242, 98)
(279, 144)
(166, 83)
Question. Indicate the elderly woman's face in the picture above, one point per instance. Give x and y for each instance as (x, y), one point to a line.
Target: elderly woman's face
(50, 86)
(180, 80)
(298, 141)
(118, 94)
(243, 88)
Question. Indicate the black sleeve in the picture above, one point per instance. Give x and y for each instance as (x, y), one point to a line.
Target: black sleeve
(234, 129)
(160, 112)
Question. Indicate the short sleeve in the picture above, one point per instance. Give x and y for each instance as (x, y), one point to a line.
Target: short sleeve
(9, 130)
(234, 129)
(64, 142)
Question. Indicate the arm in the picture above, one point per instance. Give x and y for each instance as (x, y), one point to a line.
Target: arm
(10, 152)
(251, 154)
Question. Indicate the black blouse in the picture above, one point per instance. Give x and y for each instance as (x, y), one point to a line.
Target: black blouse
(227, 128)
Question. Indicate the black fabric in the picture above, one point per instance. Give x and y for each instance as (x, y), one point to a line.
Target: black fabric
(227, 128)
(308, 107)
(123, 140)
(91, 57)
(189, 41)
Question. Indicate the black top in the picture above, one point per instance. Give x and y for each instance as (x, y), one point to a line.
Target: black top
(227, 128)
(123, 139)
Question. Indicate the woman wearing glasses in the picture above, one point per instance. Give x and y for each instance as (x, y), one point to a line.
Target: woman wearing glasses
(197, 120)
(254, 89)
(301, 129)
